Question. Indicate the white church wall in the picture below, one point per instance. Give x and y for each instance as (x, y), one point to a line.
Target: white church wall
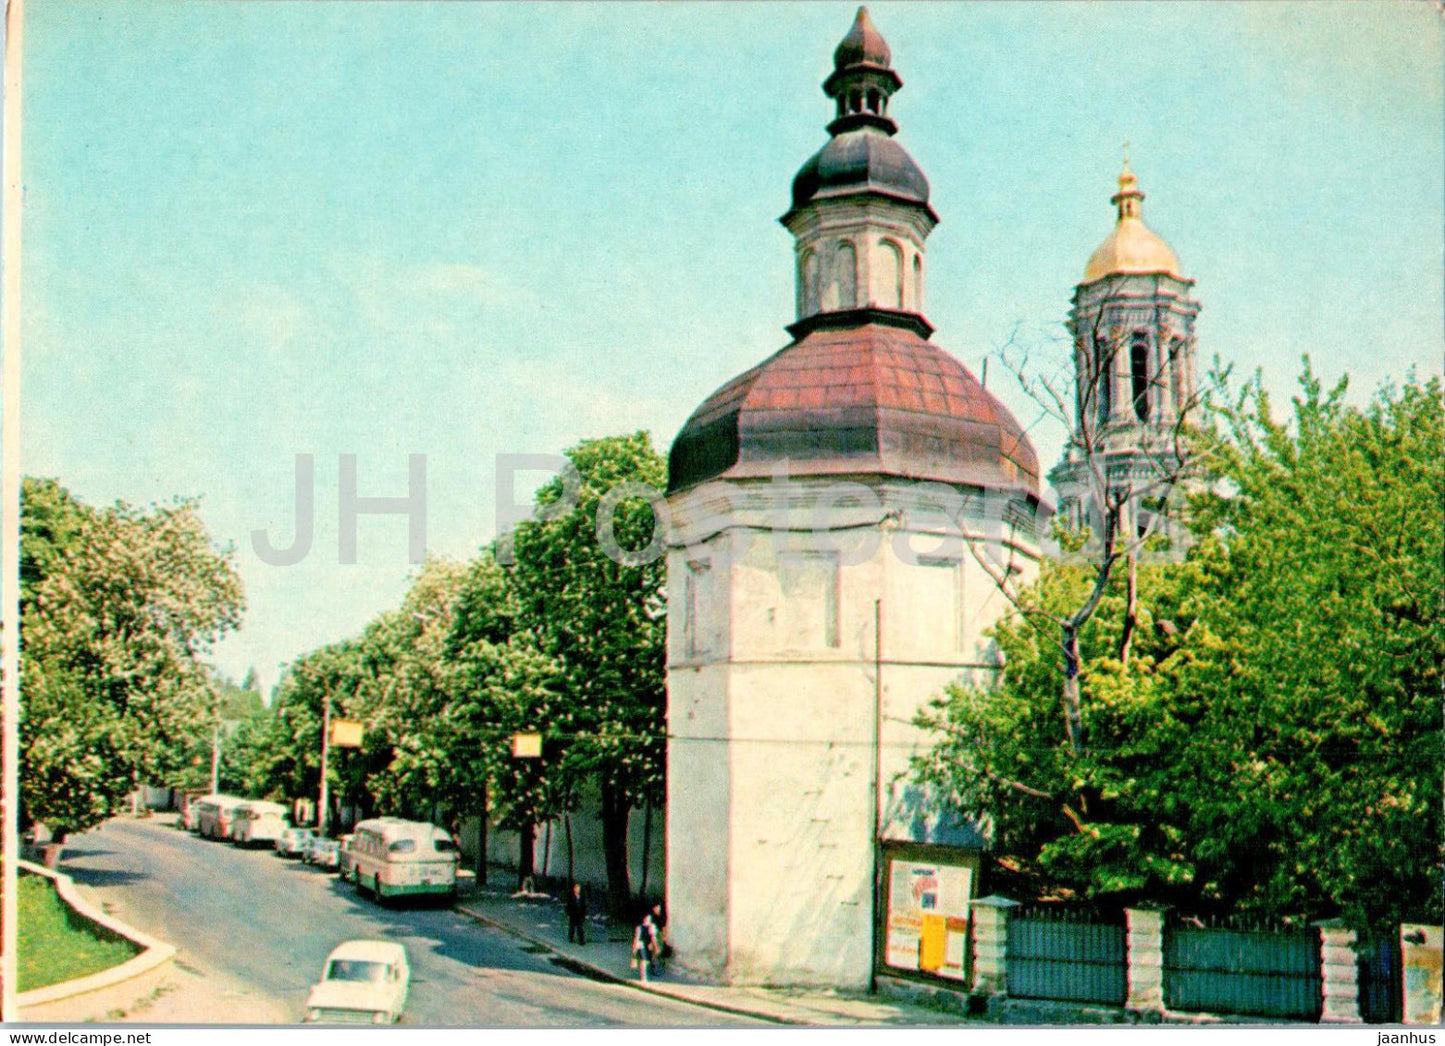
(801, 823)
(698, 810)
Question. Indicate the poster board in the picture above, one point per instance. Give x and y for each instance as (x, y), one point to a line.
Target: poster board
(926, 914)
(1421, 949)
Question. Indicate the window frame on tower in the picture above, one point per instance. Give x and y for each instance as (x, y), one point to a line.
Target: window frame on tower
(1139, 376)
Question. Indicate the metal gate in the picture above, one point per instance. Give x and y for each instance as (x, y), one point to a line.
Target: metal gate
(1067, 957)
(1381, 998)
(1249, 972)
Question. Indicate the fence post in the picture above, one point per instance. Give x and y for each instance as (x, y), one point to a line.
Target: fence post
(1144, 940)
(990, 944)
(1339, 974)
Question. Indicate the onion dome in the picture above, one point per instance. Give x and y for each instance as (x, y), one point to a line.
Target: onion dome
(1132, 247)
(875, 399)
(860, 162)
(860, 391)
(862, 156)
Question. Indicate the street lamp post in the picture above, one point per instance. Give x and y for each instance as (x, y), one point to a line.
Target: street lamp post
(325, 753)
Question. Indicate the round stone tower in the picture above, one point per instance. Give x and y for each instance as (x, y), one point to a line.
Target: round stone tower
(837, 512)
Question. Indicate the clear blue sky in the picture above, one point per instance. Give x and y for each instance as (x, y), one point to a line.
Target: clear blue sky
(252, 230)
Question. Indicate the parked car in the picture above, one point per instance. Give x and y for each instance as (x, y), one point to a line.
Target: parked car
(258, 823)
(188, 808)
(214, 814)
(345, 864)
(294, 842)
(324, 853)
(362, 982)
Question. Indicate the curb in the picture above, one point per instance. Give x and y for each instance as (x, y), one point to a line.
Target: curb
(154, 955)
(627, 982)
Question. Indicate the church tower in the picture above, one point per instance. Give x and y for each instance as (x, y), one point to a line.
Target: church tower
(1132, 324)
(838, 513)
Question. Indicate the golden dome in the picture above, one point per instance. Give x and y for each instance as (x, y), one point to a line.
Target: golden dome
(1132, 247)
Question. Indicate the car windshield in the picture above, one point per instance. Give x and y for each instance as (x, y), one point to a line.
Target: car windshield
(356, 970)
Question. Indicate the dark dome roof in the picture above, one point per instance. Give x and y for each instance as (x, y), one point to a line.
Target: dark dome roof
(860, 160)
(871, 399)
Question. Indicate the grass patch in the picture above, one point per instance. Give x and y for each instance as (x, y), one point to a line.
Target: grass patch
(55, 944)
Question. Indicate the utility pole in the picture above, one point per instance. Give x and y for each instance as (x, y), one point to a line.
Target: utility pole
(325, 752)
(877, 787)
(216, 756)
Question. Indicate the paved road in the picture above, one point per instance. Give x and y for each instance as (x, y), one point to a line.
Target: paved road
(252, 931)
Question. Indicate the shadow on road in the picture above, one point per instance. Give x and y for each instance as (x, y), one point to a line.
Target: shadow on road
(99, 877)
(448, 934)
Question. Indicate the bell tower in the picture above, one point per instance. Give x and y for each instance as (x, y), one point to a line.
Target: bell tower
(1135, 391)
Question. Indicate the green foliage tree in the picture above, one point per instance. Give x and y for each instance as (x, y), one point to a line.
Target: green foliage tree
(1274, 744)
(504, 685)
(119, 607)
(599, 616)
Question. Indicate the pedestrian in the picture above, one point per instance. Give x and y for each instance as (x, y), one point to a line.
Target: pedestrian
(664, 942)
(576, 915)
(644, 947)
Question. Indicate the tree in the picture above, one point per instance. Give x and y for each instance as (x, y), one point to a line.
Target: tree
(597, 612)
(119, 608)
(1130, 452)
(1273, 744)
(503, 685)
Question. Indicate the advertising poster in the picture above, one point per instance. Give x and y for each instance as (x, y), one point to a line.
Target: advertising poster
(927, 928)
(1421, 949)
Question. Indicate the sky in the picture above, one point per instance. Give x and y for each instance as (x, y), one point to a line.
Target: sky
(252, 231)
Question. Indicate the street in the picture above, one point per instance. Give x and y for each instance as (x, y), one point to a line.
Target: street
(252, 930)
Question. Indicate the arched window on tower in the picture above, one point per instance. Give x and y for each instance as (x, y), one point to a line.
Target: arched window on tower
(918, 283)
(842, 290)
(888, 281)
(1139, 373)
(1103, 379)
(808, 283)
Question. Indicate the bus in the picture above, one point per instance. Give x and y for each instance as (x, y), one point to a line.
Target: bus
(391, 857)
(214, 814)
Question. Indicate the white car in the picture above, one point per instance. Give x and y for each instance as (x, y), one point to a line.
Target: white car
(264, 829)
(363, 982)
(324, 853)
(294, 842)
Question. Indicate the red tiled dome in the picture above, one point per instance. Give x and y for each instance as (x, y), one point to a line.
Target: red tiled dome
(873, 399)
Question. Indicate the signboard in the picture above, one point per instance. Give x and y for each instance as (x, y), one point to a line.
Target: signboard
(527, 746)
(346, 733)
(1421, 949)
(927, 922)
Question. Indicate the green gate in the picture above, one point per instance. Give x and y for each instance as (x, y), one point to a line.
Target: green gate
(1066, 957)
(1248, 972)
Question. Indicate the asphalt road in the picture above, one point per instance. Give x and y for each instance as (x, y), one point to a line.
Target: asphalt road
(252, 931)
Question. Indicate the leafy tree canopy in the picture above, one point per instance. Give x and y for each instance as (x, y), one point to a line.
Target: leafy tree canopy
(1274, 743)
(120, 606)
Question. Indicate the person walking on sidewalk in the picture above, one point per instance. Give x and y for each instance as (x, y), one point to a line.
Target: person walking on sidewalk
(576, 915)
(644, 947)
(659, 920)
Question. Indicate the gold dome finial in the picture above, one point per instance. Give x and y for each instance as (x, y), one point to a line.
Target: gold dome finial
(1129, 195)
(1132, 247)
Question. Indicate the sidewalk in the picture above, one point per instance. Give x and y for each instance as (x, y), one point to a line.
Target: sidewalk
(607, 955)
